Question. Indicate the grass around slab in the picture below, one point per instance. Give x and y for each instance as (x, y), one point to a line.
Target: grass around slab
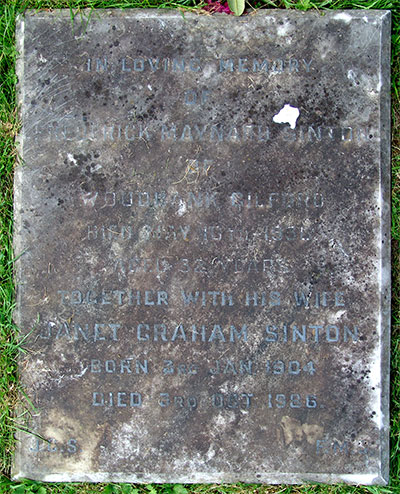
(8, 333)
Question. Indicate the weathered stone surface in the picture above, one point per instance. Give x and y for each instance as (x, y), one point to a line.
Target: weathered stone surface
(202, 223)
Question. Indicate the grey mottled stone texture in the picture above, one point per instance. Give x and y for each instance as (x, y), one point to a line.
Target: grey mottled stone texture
(202, 235)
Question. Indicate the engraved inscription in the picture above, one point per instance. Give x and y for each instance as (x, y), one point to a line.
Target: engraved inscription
(198, 271)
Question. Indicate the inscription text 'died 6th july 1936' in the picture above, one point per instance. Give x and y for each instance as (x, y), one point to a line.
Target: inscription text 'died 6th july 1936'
(202, 246)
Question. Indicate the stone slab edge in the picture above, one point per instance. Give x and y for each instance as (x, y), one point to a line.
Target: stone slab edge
(385, 286)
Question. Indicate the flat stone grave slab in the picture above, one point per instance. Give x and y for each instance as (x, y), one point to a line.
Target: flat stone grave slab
(202, 244)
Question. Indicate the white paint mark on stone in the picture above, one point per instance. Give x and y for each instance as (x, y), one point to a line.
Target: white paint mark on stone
(150, 88)
(375, 359)
(208, 70)
(89, 199)
(82, 373)
(71, 158)
(288, 114)
(379, 85)
(352, 77)
(210, 453)
(338, 315)
(375, 380)
(283, 29)
(333, 242)
(42, 59)
(343, 17)
(182, 208)
(116, 248)
(95, 168)
(365, 19)
(360, 478)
